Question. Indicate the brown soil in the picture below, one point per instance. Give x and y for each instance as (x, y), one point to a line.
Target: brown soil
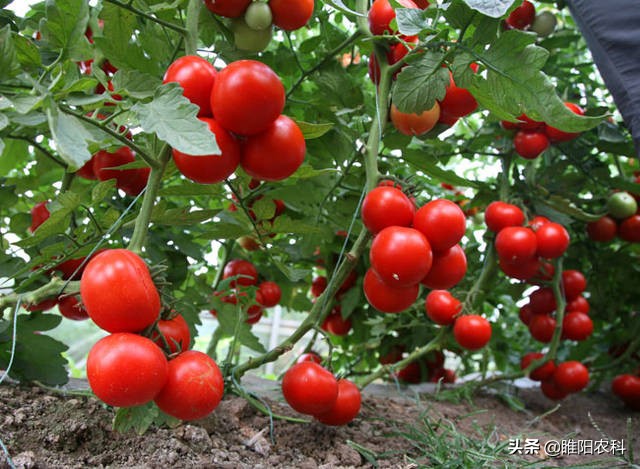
(43, 429)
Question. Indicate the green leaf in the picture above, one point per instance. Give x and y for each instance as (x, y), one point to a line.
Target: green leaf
(182, 217)
(101, 190)
(71, 137)
(65, 24)
(339, 5)
(311, 131)
(412, 21)
(172, 117)
(492, 8)
(138, 85)
(420, 84)
(228, 319)
(141, 418)
(9, 65)
(27, 52)
(264, 208)
(292, 273)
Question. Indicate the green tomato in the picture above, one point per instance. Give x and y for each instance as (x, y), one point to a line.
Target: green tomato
(621, 205)
(258, 16)
(248, 39)
(544, 23)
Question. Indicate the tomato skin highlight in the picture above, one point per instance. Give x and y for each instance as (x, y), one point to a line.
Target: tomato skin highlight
(309, 388)
(118, 292)
(196, 76)
(126, 370)
(194, 386)
(346, 407)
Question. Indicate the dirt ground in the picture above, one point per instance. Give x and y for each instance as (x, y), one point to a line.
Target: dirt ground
(43, 429)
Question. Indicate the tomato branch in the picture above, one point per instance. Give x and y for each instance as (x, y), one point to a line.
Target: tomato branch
(561, 303)
(54, 288)
(191, 33)
(142, 14)
(40, 147)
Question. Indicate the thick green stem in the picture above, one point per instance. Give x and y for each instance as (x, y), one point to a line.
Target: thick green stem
(191, 34)
(476, 294)
(54, 288)
(561, 303)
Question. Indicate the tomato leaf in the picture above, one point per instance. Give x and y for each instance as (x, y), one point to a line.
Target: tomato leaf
(421, 83)
(228, 318)
(310, 130)
(65, 25)
(138, 85)
(9, 65)
(141, 418)
(412, 21)
(493, 8)
(71, 137)
(339, 5)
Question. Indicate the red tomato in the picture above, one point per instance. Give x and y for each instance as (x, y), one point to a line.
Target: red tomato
(442, 307)
(346, 406)
(43, 305)
(541, 373)
(521, 269)
(530, 144)
(39, 214)
(194, 386)
(472, 332)
(579, 303)
(210, 169)
(551, 390)
(348, 282)
(537, 222)
(388, 299)
(412, 373)
(525, 314)
(276, 153)
(291, 15)
(71, 308)
(105, 165)
(552, 240)
(627, 388)
(415, 124)
(526, 123)
(400, 256)
(118, 292)
(134, 181)
(447, 269)
(175, 332)
(576, 326)
(335, 324)
(442, 222)
(228, 8)
(444, 374)
(245, 269)
(381, 14)
(196, 77)
(309, 388)
(542, 301)
(542, 327)
(515, 243)
(629, 229)
(86, 170)
(499, 215)
(523, 16)
(126, 370)
(603, 230)
(434, 359)
(447, 119)
(573, 283)
(247, 97)
(457, 102)
(421, 3)
(557, 135)
(386, 206)
(270, 294)
(394, 355)
(318, 286)
(395, 54)
(309, 357)
(571, 376)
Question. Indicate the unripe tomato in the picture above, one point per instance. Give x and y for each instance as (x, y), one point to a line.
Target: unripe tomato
(544, 23)
(258, 16)
(385, 298)
(309, 388)
(552, 240)
(523, 16)
(346, 406)
(270, 294)
(276, 153)
(196, 77)
(442, 222)
(247, 97)
(514, 243)
(571, 376)
(39, 214)
(499, 215)
(415, 124)
(194, 386)
(557, 135)
(621, 205)
(529, 144)
(603, 229)
(245, 270)
(250, 40)
(472, 332)
(447, 269)
(71, 308)
(442, 307)
(291, 14)
(228, 8)
(386, 206)
(126, 370)
(175, 332)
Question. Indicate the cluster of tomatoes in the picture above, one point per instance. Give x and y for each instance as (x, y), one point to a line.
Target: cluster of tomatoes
(252, 20)
(429, 368)
(313, 390)
(532, 137)
(144, 358)
(622, 219)
(524, 17)
(244, 275)
(242, 105)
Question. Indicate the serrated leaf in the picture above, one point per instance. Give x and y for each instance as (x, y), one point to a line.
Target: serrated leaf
(66, 22)
(137, 418)
(138, 85)
(27, 52)
(9, 65)
(492, 8)
(264, 208)
(228, 319)
(311, 131)
(101, 190)
(172, 117)
(339, 5)
(70, 136)
(412, 21)
(421, 83)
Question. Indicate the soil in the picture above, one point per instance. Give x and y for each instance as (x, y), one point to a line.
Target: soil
(42, 428)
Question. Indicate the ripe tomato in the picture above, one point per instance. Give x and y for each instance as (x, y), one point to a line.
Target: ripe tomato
(309, 388)
(551, 390)
(247, 97)
(576, 326)
(552, 240)
(400, 256)
(393, 355)
(412, 373)
(386, 206)
(499, 215)
(43, 305)
(521, 269)
(602, 230)
(291, 15)
(125, 369)
(335, 324)
(105, 165)
(388, 299)
(442, 307)
(629, 229)
(457, 102)
(415, 124)
(571, 376)
(381, 14)
(309, 357)
(525, 314)
(176, 334)
(557, 135)
(245, 269)
(86, 170)
(530, 144)
(442, 222)
(348, 282)
(627, 388)
(541, 373)
(318, 286)
(573, 283)
(447, 269)
(579, 303)
(442, 374)
(194, 386)
(346, 406)
(421, 3)
(270, 294)
(228, 8)
(621, 205)
(541, 327)
(71, 308)
(542, 301)
(472, 331)
(523, 16)
(118, 292)
(276, 153)
(134, 180)
(39, 214)
(210, 169)
(515, 243)
(196, 77)
(537, 222)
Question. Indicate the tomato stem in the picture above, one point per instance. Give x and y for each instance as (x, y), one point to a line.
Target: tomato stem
(191, 33)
